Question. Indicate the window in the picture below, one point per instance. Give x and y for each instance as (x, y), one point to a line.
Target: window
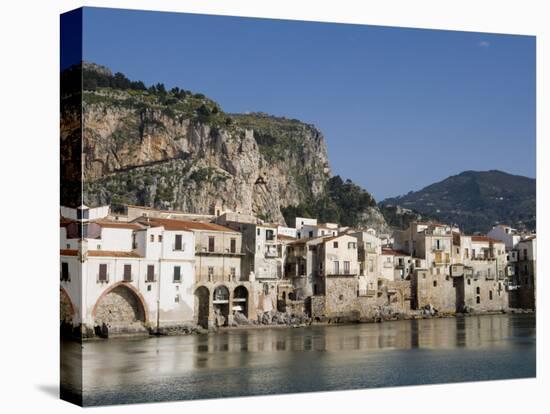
(351, 245)
(310, 234)
(127, 274)
(152, 238)
(469, 282)
(233, 245)
(258, 231)
(211, 244)
(210, 273)
(103, 276)
(466, 253)
(269, 235)
(346, 268)
(233, 273)
(65, 277)
(435, 283)
(478, 299)
(524, 254)
(336, 268)
(473, 253)
(177, 274)
(160, 238)
(437, 244)
(178, 245)
(490, 295)
(335, 244)
(478, 290)
(82, 214)
(150, 273)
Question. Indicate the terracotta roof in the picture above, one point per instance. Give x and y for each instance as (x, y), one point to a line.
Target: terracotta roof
(285, 237)
(64, 222)
(68, 252)
(484, 239)
(117, 224)
(111, 253)
(173, 224)
(392, 252)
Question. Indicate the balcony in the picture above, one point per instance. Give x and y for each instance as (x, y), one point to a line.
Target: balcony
(215, 278)
(219, 252)
(102, 278)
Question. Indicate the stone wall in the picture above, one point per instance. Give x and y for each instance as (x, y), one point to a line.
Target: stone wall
(119, 306)
(341, 296)
(437, 290)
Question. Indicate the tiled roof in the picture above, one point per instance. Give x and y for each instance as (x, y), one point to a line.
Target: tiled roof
(173, 224)
(64, 222)
(118, 224)
(484, 239)
(98, 253)
(68, 252)
(392, 252)
(285, 237)
(111, 253)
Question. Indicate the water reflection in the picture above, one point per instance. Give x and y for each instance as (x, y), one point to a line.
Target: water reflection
(306, 359)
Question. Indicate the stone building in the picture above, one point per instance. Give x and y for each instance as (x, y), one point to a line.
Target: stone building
(524, 296)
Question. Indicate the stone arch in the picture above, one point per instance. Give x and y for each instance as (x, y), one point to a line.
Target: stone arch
(220, 302)
(241, 300)
(202, 306)
(66, 307)
(120, 303)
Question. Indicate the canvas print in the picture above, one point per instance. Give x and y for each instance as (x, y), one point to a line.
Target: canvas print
(258, 206)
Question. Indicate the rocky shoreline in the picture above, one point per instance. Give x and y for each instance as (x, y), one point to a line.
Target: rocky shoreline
(274, 319)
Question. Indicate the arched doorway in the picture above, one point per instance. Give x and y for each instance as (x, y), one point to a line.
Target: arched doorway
(202, 306)
(66, 308)
(240, 300)
(221, 305)
(119, 305)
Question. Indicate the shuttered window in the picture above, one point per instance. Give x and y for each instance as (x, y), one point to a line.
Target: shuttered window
(103, 277)
(127, 273)
(177, 274)
(65, 272)
(233, 246)
(150, 273)
(211, 244)
(178, 244)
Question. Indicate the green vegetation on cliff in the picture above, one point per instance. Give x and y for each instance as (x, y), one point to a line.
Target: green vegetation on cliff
(343, 202)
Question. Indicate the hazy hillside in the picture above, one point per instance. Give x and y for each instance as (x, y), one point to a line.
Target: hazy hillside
(476, 200)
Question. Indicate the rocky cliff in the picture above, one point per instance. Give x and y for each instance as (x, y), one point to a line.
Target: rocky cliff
(178, 150)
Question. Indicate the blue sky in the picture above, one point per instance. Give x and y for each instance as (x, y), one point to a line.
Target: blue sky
(399, 108)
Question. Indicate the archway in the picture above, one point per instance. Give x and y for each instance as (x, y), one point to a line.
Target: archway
(221, 305)
(66, 308)
(202, 306)
(240, 300)
(119, 305)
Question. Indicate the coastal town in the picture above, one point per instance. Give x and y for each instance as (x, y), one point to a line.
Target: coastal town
(141, 270)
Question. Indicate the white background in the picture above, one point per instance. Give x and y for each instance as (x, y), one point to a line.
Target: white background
(29, 135)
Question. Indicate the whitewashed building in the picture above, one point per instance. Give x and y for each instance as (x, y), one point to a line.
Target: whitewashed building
(126, 277)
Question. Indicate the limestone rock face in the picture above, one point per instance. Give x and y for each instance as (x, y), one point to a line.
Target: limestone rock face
(155, 158)
(125, 143)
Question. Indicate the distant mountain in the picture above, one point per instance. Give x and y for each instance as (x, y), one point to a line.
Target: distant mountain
(475, 200)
